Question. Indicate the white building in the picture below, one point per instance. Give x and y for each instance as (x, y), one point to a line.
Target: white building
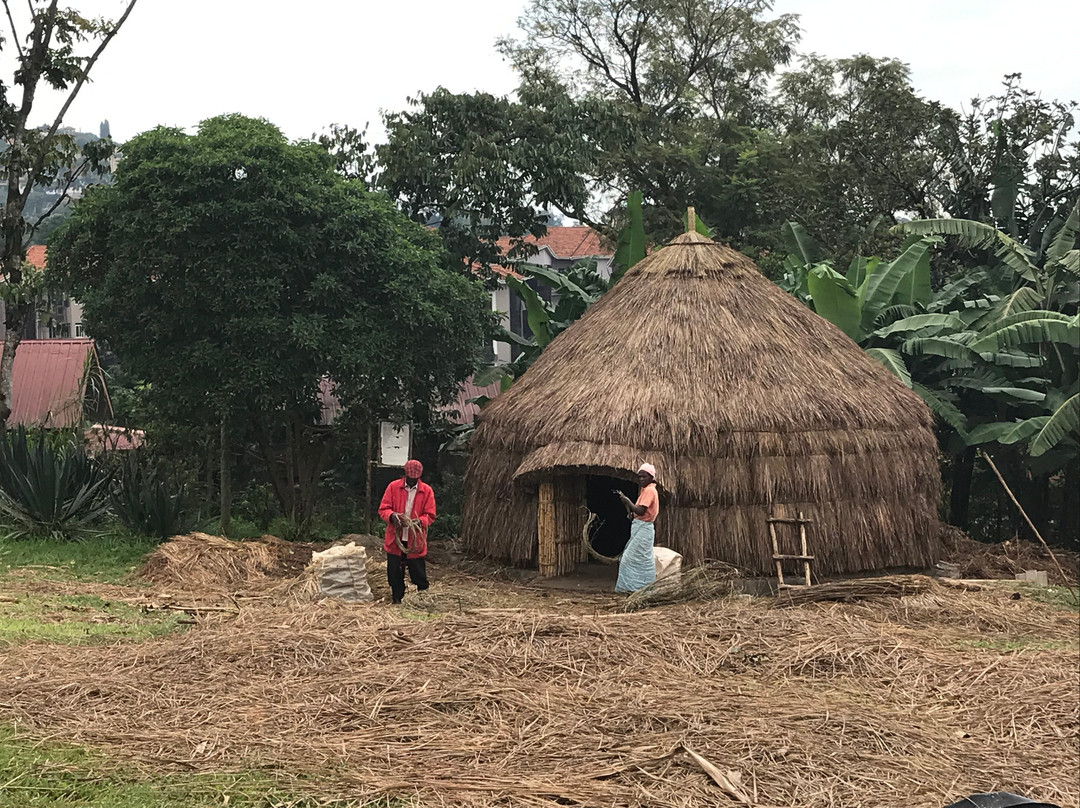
(559, 248)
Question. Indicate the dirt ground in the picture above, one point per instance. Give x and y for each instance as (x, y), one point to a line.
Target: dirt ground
(492, 689)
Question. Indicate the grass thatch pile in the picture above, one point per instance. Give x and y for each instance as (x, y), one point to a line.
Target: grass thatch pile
(855, 590)
(201, 562)
(742, 397)
(706, 582)
(912, 701)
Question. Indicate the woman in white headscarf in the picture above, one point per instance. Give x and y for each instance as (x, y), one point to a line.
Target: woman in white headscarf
(637, 569)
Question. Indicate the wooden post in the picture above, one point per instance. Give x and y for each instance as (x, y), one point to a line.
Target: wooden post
(367, 490)
(1019, 507)
(545, 530)
(776, 551)
(226, 479)
(691, 220)
(805, 549)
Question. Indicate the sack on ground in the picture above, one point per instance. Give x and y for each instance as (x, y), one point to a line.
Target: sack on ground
(342, 573)
(668, 563)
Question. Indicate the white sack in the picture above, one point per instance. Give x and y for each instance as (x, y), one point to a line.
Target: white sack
(342, 572)
(668, 563)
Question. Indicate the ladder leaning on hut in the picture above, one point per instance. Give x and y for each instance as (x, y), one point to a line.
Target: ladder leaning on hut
(780, 558)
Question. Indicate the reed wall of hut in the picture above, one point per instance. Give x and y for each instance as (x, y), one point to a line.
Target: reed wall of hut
(747, 403)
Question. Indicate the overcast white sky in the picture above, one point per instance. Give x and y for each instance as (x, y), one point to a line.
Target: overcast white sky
(306, 65)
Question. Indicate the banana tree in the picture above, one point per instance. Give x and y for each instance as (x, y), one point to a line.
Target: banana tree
(869, 294)
(1018, 315)
(574, 290)
(993, 352)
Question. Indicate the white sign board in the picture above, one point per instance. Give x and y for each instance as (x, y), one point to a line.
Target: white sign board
(395, 444)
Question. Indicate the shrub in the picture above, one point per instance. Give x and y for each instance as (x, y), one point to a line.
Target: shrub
(49, 487)
(149, 500)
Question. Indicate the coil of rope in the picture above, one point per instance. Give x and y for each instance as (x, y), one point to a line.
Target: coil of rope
(588, 545)
(406, 523)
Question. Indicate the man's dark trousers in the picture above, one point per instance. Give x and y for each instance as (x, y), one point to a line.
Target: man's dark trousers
(395, 574)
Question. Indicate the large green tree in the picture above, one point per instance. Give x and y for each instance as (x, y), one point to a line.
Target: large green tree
(690, 103)
(856, 143)
(52, 47)
(233, 271)
(481, 167)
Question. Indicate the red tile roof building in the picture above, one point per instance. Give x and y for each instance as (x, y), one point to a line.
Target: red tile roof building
(64, 315)
(35, 255)
(564, 243)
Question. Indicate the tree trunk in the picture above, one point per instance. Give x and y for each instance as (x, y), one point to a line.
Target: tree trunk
(294, 466)
(7, 362)
(960, 492)
(1068, 534)
(209, 459)
(367, 485)
(312, 447)
(226, 479)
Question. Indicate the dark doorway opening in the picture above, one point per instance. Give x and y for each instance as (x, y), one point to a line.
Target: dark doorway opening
(610, 530)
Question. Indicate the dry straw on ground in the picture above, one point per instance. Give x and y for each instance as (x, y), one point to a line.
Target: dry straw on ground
(855, 590)
(914, 701)
(706, 582)
(976, 559)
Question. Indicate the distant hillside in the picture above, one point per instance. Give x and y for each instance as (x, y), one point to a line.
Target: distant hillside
(41, 199)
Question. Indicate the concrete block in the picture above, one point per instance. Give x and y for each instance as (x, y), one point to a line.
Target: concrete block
(1033, 576)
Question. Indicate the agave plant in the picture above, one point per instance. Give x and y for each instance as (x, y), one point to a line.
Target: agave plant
(149, 500)
(49, 487)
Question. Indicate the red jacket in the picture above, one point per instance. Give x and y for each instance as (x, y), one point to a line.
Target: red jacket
(393, 501)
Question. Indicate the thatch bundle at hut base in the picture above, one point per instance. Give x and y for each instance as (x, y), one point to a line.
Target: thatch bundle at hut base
(747, 403)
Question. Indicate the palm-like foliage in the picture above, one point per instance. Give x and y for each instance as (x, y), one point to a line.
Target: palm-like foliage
(993, 353)
(1019, 316)
(573, 291)
(49, 487)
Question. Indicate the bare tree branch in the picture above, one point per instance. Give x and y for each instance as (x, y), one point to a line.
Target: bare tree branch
(83, 77)
(65, 194)
(14, 33)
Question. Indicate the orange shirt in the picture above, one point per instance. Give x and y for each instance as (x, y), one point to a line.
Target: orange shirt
(651, 500)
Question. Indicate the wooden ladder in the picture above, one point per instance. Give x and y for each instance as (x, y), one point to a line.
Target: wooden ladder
(779, 557)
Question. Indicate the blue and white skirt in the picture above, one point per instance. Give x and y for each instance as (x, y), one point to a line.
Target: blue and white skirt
(637, 569)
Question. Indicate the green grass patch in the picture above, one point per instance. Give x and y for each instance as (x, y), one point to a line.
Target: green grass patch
(1023, 644)
(1064, 597)
(109, 557)
(34, 775)
(79, 619)
(1018, 644)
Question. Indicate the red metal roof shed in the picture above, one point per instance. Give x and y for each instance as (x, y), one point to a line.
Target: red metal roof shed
(49, 382)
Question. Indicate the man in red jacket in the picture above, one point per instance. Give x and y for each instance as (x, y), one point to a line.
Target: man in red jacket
(408, 508)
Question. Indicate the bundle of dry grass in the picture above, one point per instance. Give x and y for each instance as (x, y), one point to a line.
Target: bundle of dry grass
(709, 581)
(976, 559)
(199, 561)
(913, 701)
(742, 397)
(893, 586)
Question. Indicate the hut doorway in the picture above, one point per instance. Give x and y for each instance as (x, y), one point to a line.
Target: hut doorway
(610, 530)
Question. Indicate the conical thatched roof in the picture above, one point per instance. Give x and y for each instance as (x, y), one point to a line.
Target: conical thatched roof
(742, 397)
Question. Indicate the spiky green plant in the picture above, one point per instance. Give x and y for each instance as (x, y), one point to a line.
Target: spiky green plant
(50, 488)
(149, 500)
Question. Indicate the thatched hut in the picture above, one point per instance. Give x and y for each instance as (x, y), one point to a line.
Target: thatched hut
(748, 404)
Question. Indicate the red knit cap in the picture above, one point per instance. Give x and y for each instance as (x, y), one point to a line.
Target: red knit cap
(414, 468)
